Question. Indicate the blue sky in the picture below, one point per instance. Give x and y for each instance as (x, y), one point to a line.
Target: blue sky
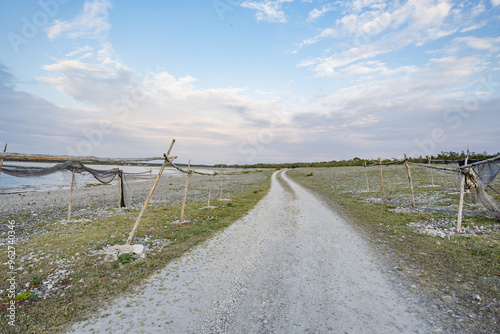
(250, 81)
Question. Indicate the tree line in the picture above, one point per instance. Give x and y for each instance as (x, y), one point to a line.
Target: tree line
(443, 157)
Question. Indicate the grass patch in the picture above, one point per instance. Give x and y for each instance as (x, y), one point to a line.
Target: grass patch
(64, 256)
(457, 266)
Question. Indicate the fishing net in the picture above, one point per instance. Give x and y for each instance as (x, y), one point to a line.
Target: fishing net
(479, 176)
(103, 176)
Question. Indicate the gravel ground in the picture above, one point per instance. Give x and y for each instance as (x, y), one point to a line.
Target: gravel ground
(33, 210)
(290, 266)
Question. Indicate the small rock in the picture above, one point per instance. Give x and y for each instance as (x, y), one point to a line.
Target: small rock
(476, 297)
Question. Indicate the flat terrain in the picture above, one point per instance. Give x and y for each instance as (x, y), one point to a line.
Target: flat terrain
(291, 265)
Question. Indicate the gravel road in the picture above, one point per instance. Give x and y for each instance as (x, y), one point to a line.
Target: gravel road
(290, 266)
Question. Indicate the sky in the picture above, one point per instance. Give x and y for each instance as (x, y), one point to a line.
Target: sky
(240, 82)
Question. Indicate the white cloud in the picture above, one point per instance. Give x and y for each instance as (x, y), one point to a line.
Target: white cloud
(325, 33)
(317, 13)
(492, 45)
(495, 3)
(268, 10)
(382, 29)
(92, 23)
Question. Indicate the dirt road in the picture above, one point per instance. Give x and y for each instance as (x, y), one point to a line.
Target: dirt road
(290, 266)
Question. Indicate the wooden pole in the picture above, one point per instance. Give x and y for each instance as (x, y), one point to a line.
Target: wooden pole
(186, 191)
(221, 166)
(411, 184)
(429, 163)
(150, 173)
(56, 158)
(366, 175)
(71, 193)
(211, 185)
(381, 177)
(165, 163)
(1, 160)
(119, 191)
(462, 191)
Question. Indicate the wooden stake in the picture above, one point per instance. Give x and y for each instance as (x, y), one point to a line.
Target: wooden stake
(211, 185)
(221, 182)
(71, 193)
(119, 191)
(411, 184)
(381, 177)
(190, 173)
(165, 163)
(462, 191)
(366, 174)
(1, 160)
(429, 163)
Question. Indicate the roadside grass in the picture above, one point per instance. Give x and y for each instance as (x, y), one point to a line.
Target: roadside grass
(463, 272)
(86, 280)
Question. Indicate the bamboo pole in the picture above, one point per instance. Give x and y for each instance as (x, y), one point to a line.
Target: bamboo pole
(366, 175)
(186, 191)
(429, 163)
(71, 193)
(381, 177)
(462, 192)
(165, 163)
(411, 184)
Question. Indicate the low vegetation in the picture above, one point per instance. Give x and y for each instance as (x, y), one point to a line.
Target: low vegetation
(71, 262)
(461, 270)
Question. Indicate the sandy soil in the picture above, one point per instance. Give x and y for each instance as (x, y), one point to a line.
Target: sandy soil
(290, 266)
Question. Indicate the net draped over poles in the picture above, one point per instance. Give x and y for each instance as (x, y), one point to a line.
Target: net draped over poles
(479, 175)
(103, 176)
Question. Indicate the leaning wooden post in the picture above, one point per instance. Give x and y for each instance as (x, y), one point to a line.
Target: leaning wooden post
(1, 160)
(71, 193)
(429, 163)
(381, 177)
(165, 163)
(190, 172)
(411, 184)
(366, 175)
(211, 185)
(462, 191)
